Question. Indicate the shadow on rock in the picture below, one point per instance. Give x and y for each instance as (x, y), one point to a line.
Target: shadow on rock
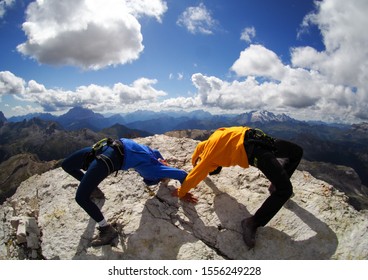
(319, 243)
(163, 234)
(86, 237)
(171, 229)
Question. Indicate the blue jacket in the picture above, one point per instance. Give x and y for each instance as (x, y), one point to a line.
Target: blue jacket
(144, 160)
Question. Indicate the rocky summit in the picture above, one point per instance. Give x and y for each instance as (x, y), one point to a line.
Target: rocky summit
(43, 221)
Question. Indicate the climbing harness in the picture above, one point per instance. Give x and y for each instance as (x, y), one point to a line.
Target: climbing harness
(256, 137)
(95, 153)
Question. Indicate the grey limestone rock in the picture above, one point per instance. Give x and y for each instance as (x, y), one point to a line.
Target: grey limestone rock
(317, 223)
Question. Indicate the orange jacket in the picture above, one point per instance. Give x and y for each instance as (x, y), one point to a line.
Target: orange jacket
(225, 147)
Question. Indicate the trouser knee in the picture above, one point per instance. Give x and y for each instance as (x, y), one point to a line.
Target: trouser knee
(67, 165)
(285, 192)
(81, 199)
(64, 165)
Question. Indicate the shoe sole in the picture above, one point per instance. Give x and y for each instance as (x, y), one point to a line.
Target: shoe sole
(105, 243)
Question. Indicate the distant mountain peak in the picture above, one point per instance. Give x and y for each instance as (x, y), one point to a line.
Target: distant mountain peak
(80, 113)
(262, 116)
(2, 117)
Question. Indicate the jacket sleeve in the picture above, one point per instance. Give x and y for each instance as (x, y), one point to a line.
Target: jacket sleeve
(197, 152)
(195, 176)
(161, 171)
(157, 154)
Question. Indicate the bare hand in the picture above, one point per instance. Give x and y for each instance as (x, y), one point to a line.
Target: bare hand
(188, 197)
(163, 161)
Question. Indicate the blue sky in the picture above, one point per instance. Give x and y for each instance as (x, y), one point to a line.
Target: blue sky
(304, 58)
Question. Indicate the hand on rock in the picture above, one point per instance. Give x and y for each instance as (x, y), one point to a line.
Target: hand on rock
(188, 197)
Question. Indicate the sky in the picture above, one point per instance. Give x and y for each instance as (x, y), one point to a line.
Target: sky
(307, 59)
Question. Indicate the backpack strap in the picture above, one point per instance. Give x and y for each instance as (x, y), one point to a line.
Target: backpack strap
(103, 142)
(255, 137)
(119, 148)
(93, 154)
(258, 137)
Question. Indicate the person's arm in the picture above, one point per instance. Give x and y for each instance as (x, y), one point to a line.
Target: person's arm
(195, 176)
(198, 150)
(201, 168)
(165, 171)
(157, 154)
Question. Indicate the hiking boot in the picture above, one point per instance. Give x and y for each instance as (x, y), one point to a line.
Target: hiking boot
(249, 232)
(97, 194)
(105, 236)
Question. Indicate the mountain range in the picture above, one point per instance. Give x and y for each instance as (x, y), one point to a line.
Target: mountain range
(340, 144)
(52, 137)
(153, 122)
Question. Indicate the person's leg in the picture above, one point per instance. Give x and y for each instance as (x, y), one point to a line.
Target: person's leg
(96, 172)
(266, 161)
(289, 156)
(279, 177)
(73, 163)
(291, 152)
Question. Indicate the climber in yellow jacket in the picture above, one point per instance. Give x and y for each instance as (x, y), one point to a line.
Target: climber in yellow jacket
(246, 146)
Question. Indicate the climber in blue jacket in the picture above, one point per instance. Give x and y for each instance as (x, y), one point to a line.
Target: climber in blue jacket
(108, 156)
(149, 163)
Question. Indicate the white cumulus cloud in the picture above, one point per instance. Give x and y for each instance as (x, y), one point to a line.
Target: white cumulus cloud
(197, 20)
(4, 5)
(152, 8)
(325, 85)
(141, 89)
(345, 58)
(90, 34)
(271, 85)
(343, 27)
(248, 34)
(10, 84)
(99, 98)
(329, 84)
(259, 61)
